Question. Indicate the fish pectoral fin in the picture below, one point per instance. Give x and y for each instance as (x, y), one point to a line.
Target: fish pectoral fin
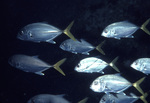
(68, 33)
(39, 73)
(83, 100)
(143, 27)
(136, 85)
(56, 66)
(99, 47)
(51, 41)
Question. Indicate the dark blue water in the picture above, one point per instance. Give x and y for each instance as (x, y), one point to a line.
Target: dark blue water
(91, 17)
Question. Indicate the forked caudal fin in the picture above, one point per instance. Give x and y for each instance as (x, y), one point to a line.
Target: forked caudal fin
(68, 33)
(143, 97)
(56, 66)
(136, 85)
(112, 64)
(83, 100)
(99, 47)
(143, 27)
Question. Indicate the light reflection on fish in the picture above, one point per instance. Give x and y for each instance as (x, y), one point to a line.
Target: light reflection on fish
(81, 46)
(42, 32)
(114, 83)
(123, 29)
(93, 64)
(33, 64)
(142, 65)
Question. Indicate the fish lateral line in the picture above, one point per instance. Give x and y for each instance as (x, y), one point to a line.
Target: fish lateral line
(112, 64)
(137, 83)
(143, 27)
(57, 66)
(98, 48)
(68, 33)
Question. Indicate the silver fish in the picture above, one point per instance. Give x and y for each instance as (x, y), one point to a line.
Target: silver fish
(81, 46)
(123, 29)
(48, 98)
(93, 64)
(122, 98)
(114, 83)
(33, 64)
(142, 65)
(119, 98)
(42, 32)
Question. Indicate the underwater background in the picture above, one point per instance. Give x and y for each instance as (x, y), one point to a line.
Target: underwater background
(91, 17)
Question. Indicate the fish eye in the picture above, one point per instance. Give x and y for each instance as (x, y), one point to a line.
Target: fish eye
(31, 35)
(95, 82)
(21, 32)
(106, 31)
(78, 65)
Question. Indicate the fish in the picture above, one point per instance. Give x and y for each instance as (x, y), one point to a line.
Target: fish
(43, 32)
(114, 83)
(33, 64)
(82, 46)
(123, 29)
(94, 64)
(48, 98)
(122, 98)
(142, 65)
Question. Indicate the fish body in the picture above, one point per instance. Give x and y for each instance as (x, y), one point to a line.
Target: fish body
(90, 65)
(47, 98)
(119, 98)
(142, 65)
(39, 32)
(110, 83)
(123, 29)
(82, 47)
(32, 64)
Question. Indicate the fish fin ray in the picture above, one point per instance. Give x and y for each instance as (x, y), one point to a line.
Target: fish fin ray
(112, 64)
(143, 27)
(137, 83)
(56, 66)
(99, 47)
(68, 33)
(83, 100)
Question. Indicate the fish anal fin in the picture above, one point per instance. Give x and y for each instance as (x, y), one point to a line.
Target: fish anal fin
(56, 66)
(51, 41)
(83, 100)
(39, 73)
(136, 85)
(67, 31)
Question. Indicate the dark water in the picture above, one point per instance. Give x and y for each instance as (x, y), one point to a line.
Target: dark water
(91, 17)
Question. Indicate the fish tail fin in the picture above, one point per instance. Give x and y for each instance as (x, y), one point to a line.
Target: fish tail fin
(143, 97)
(68, 33)
(99, 47)
(112, 64)
(83, 100)
(56, 66)
(137, 83)
(143, 27)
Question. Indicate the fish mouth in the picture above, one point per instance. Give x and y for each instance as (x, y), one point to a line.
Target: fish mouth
(19, 37)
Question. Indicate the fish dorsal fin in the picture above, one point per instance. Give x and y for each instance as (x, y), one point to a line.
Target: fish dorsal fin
(61, 95)
(118, 74)
(85, 42)
(83, 100)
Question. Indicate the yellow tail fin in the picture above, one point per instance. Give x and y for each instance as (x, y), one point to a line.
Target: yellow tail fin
(83, 100)
(99, 47)
(68, 33)
(143, 27)
(136, 85)
(112, 64)
(56, 66)
(143, 97)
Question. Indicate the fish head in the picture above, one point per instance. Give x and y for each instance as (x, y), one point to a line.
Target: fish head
(98, 85)
(108, 32)
(137, 65)
(14, 62)
(25, 35)
(65, 46)
(81, 68)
